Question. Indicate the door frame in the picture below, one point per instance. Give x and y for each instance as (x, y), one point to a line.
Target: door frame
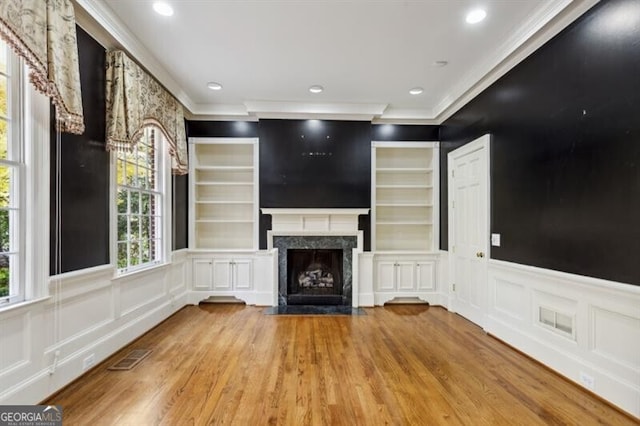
(483, 141)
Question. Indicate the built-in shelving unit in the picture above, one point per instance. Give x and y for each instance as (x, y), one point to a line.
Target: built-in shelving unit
(404, 179)
(224, 193)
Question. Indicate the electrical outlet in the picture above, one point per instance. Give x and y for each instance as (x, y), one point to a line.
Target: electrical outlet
(88, 362)
(587, 380)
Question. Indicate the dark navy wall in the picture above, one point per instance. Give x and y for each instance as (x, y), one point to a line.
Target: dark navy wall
(180, 216)
(565, 150)
(315, 163)
(401, 132)
(84, 179)
(222, 129)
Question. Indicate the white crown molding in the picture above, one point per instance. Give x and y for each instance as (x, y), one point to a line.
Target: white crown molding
(233, 110)
(105, 17)
(407, 121)
(339, 111)
(392, 113)
(550, 19)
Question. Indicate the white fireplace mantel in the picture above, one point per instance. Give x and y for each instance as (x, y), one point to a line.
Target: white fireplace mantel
(314, 221)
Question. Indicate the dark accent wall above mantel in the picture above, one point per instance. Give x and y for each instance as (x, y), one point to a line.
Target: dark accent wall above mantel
(565, 150)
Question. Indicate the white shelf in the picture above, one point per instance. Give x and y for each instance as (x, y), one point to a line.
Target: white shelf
(226, 183)
(223, 202)
(404, 186)
(404, 205)
(404, 169)
(403, 223)
(224, 168)
(224, 199)
(404, 192)
(223, 221)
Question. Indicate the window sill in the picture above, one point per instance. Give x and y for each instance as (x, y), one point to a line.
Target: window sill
(141, 271)
(20, 305)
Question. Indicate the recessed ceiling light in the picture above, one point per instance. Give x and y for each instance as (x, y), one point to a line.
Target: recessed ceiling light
(476, 16)
(416, 90)
(214, 86)
(440, 64)
(316, 88)
(163, 8)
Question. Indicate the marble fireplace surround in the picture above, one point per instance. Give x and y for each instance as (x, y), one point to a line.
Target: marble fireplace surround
(317, 228)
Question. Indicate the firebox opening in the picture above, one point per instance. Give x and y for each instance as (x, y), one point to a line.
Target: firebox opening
(314, 276)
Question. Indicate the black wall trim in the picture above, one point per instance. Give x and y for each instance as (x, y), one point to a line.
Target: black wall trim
(565, 150)
(403, 132)
(180, 187)
(222, 129)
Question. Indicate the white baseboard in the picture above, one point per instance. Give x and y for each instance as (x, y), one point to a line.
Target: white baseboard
(366, 300)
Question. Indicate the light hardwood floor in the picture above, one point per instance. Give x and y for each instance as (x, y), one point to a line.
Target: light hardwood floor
(400, 365)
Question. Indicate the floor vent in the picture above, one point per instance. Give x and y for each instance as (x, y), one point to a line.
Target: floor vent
(558, 321)
(132, 359)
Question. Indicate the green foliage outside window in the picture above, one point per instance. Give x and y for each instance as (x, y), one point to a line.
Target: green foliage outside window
(136, 205)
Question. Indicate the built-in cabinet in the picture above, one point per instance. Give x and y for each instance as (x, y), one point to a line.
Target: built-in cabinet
(223, 217)
(405, 275)
(222, 274)
(404, 219)
(223, 181)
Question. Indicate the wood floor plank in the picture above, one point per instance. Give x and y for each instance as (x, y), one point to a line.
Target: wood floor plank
(397, 365)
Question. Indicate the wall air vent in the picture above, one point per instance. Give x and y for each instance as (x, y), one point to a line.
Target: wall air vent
(557, 321)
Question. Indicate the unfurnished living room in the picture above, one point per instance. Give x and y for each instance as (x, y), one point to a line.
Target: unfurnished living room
(333, 212)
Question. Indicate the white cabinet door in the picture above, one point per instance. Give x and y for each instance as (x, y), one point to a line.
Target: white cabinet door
(242, 274)
(425, 276)
(222, 274)
(202, 274)
(386, 280)
(405, 276)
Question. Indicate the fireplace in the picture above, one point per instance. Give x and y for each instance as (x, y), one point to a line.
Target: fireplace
(315, 255)
(314, 276)
(315, 270)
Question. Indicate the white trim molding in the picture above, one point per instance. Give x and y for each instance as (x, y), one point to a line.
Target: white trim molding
(598, 345)
(46, 342)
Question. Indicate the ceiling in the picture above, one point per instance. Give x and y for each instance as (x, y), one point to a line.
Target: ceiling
(367, 55)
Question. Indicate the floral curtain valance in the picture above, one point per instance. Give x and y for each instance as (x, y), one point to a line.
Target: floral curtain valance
(136, 100)
(43, 32)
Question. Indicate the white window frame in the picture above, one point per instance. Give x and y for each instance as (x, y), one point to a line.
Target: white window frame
(163, 249)
(30, 134)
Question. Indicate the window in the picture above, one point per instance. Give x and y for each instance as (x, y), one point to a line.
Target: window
(12, 287)
(140, 203)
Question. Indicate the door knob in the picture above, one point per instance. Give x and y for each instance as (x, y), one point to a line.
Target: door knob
(479, 254)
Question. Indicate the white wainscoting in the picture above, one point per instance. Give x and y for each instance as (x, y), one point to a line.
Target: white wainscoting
(602, 350)
(87, 312)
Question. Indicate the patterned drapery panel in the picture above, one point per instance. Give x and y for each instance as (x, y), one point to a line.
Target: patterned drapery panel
(43, 32)
(136, 100)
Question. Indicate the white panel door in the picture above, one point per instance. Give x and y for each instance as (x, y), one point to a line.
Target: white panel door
(405, 276)
(222, 274)
(242, 274)
(386, 280)
(469, 223)
(202, 277)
